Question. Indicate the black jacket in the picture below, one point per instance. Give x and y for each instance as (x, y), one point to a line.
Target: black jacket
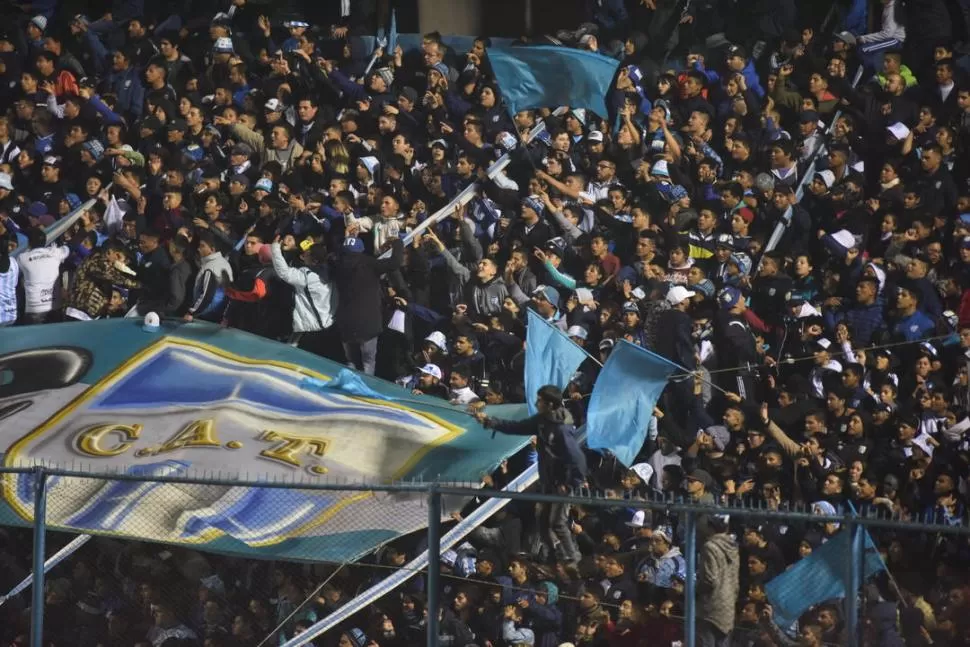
(561, 460)
(674, 338)
(359, 294)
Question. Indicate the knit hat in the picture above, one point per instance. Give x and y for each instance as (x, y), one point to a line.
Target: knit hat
(387, 75)
(356, 637)
(73, 200)
(6, 182)
(534, 203)
(746, 214)
(827, 177)
(705, 288)
(95, 148)
(372, 165)
(409, 93)
(743, 262)
(635, 74)
(660, 169)
(264, 184)
(719, 434)
(40, 22)
(442, 69)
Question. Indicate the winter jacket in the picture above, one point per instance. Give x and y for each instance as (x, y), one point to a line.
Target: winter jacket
(717, 581)
(316, 300)
(286, 157)
(561, 460)
(179, 288)
(209, 291)
(129, 90)
(92, 284)
(357, 277)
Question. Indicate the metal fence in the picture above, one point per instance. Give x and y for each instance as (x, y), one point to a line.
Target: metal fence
(50, 511)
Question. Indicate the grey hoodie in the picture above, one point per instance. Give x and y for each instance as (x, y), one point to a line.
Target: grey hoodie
(718, 584)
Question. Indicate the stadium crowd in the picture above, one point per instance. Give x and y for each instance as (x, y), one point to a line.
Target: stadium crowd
(250, 169)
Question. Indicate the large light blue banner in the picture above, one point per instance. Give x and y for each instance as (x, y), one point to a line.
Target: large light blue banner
(197, 400)
(542, 76)
(623, 399)
(550, 358)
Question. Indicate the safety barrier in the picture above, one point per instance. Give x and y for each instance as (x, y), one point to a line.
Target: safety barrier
(47, 516)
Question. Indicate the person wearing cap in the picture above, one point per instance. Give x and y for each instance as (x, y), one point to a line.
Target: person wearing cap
(281, 148)
(426, 381)
(663, 563)
(674, 340)
(735, 344)
(359, 316)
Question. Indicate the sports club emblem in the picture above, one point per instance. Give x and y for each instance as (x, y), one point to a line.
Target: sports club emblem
(181, 408)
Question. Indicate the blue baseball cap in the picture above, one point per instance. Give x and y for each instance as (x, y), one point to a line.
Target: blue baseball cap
(354, 245)
(729, 297)
(548, 293)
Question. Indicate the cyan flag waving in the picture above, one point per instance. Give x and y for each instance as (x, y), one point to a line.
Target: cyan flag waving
(544, 76)
(550, 358)
(818, 577)
(623, 399)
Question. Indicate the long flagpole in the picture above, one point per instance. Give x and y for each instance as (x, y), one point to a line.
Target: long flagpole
(53, 561)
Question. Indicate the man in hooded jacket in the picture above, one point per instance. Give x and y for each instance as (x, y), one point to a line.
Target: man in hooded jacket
(360, 316)
(718, 572)
(562, 465)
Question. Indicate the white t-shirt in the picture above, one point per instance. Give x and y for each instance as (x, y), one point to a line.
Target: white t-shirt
(41, 268)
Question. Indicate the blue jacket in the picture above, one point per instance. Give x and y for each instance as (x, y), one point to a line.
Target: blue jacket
(914, 327)
(749, 73)
(127, 86)
(608, 14)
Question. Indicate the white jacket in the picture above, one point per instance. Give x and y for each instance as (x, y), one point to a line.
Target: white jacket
(316, 300)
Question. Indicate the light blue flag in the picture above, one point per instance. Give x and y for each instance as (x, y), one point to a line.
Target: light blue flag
(348, 383)
(392, 34)
(818, 577)
(544, 76)
(623, 399)
(550, 357)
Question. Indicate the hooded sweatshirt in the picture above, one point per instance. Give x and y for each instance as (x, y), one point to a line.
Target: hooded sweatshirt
(718, 581)
(209, 296)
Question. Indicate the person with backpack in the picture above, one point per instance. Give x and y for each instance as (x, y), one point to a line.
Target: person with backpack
(562, 464)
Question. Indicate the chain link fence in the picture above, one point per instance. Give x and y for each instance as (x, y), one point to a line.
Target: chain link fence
(142, 559)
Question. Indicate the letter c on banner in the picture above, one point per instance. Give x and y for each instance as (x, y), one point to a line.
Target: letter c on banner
(92, 440)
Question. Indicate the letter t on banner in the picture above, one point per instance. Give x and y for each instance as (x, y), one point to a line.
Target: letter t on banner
(623, 399)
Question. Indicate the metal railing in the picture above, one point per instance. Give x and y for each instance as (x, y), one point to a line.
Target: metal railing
(687, 512)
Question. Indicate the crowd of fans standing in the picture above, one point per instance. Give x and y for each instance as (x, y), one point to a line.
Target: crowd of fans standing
(249, 169)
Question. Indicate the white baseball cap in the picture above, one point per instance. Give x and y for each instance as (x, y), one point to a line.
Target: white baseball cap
(152, 322)
(273, 105)
(677, 294)
(638, 519)
(432, 370)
